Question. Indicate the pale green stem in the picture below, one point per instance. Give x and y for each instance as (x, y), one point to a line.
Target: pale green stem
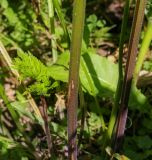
(62, 20)
(120, 78)
(5, 56)
(15, 117)
(143, 50)
(52, 30)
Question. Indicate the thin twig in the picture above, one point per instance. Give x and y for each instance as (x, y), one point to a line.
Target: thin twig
(46, 124)
(83, 112)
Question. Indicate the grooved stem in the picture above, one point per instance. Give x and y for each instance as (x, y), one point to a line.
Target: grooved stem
(132, 52)
(77, 34)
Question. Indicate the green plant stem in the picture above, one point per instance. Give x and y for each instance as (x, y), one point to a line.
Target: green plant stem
(14, 44)
(130, 66)
(83, 112)
(143, 50)
(61, 18)
(10, 109)
(120, 78)
(77, 35)
(103, 125)
(5, 56)
(52, 30)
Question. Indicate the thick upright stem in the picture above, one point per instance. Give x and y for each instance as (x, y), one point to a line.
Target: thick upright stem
(77, 34)
(132, 52)
(120, 79)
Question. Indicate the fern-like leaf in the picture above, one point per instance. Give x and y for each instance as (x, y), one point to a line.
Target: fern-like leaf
(29, 66)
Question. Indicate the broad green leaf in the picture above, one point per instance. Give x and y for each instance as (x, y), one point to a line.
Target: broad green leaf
(98, 76)
(103, 76)
(60, 71)
(64, 59)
